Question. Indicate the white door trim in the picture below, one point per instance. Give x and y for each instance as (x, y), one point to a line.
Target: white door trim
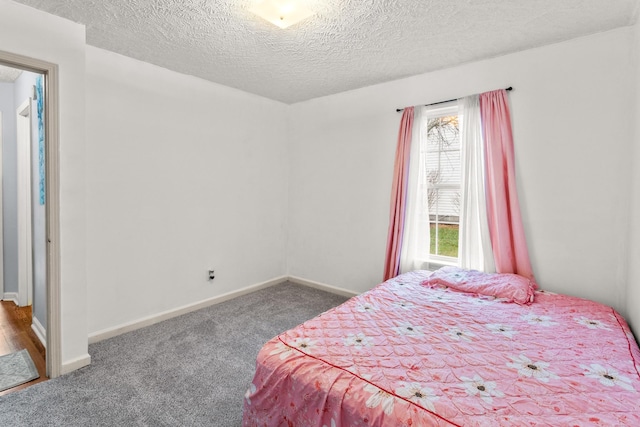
(52, 206)
(25, 218)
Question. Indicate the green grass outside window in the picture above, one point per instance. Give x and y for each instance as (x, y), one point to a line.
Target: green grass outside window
(447, 239)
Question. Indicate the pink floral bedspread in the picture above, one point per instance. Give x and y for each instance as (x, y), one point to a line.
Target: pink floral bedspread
(404, 354)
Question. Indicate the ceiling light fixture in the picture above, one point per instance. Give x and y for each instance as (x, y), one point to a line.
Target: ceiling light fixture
(282, 13)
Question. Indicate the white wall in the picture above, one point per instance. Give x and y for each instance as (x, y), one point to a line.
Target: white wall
(36, 34)
(182, 175)
(633, 285)
(571, 111)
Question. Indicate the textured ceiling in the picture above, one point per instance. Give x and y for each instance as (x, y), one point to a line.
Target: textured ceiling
(8, 74)
(347, 44)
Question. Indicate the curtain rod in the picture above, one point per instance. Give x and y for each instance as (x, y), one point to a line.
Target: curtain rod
(448, 100)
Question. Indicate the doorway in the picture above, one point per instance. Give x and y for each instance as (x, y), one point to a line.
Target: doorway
(45, 202)
(23, 312)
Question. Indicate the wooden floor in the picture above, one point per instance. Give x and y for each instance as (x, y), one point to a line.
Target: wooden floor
(16, 334)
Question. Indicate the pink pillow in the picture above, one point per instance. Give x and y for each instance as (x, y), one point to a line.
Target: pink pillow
(511, 287)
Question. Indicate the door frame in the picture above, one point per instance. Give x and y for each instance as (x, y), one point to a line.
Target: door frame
(52, 205)
(25, 199)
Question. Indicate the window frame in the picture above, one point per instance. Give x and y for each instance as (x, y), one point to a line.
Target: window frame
(443, 110)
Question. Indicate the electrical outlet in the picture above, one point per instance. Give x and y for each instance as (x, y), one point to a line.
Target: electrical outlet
(211, 275)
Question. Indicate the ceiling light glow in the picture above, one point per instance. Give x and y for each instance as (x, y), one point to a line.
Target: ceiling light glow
(282, 13)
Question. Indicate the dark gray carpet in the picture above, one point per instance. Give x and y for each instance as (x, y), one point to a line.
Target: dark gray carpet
(189, 371)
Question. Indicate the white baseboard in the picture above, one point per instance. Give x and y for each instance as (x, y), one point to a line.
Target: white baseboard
(11, 296)
(104, 334)
(322, 286)
(39, 330)
(156, 318)
(77, 363)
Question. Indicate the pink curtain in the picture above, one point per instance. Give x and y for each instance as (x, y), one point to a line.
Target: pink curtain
(398, 196)
(503, 209)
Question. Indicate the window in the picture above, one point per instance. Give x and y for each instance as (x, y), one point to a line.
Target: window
(440, 158)
(435, 209)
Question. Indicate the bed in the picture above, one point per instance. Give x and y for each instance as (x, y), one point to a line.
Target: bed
(413, 354)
